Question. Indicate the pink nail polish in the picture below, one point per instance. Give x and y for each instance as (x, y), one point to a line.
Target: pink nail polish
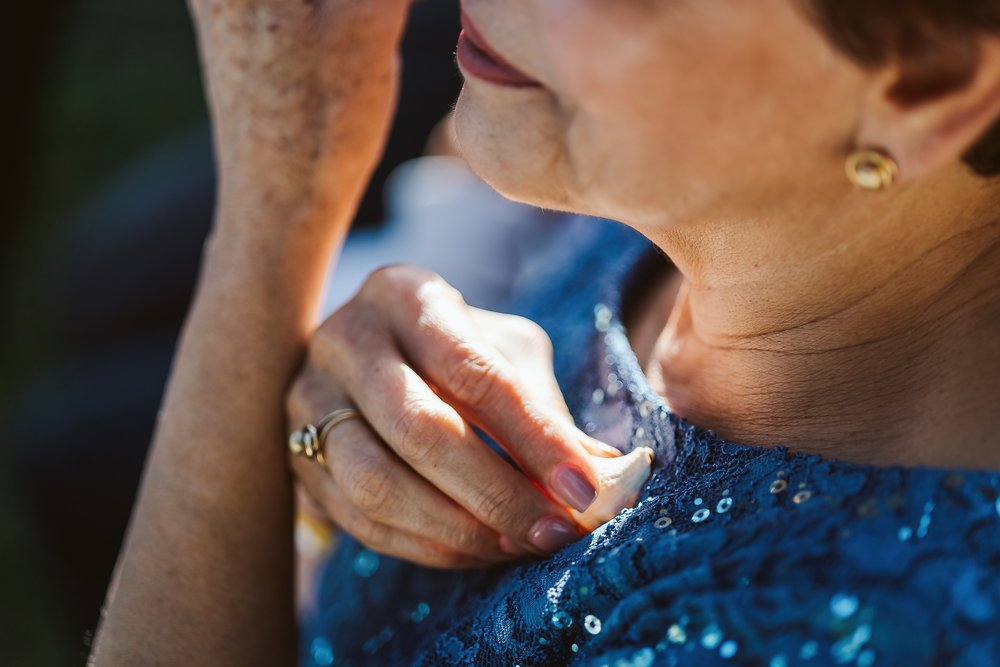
(552, 533)
(573, 487)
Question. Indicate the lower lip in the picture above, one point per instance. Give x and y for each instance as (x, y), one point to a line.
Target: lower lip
(477, 63)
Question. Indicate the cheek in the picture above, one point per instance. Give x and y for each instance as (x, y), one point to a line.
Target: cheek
(665, 110)
(588, 46)
(637, 102)
(675, 106)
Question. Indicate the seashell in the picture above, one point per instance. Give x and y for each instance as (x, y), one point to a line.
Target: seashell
(619, 480)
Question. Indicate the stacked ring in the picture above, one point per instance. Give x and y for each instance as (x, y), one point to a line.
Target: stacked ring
(310, 440)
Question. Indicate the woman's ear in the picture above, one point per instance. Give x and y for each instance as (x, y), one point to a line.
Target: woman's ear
(928, 109)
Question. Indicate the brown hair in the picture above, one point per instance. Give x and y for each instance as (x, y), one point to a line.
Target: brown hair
(876, 31)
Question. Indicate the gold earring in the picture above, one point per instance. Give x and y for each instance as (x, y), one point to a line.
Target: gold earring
(871, 169)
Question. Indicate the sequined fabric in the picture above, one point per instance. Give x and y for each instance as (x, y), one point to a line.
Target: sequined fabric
(733, 555)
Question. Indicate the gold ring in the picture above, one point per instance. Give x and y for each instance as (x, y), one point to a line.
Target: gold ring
(310, 440)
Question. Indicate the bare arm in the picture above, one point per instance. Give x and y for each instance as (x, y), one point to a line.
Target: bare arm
(301, 94)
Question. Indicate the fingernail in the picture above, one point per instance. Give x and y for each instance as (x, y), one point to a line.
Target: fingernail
(510, 548)
(552, 533)
(573, 487)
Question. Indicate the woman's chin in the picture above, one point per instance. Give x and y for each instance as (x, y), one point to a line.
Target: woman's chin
(508, 152)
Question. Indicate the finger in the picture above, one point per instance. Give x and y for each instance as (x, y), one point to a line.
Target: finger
(432, 438)
(310, 513)
(367, 471)
(377, 536)
(436, 333)
(519, 341)
(388, 491)
(527, 348)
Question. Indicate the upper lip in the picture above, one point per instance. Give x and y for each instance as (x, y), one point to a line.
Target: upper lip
(473, 35)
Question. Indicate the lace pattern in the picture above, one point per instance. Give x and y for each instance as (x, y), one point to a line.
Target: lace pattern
(733, 555)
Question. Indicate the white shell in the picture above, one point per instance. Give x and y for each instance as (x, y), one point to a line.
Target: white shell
(619, 481)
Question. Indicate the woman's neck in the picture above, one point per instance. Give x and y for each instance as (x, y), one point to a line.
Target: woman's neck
(870, 334)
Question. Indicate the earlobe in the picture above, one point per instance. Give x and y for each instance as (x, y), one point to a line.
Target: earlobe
(929, 110)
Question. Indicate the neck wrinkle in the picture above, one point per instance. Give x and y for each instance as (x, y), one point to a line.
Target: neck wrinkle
(842, 351)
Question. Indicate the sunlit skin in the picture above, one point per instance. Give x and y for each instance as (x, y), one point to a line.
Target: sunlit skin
(862, 326)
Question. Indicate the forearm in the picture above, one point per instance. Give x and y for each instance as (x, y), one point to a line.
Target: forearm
(301, 96)
(206, 574)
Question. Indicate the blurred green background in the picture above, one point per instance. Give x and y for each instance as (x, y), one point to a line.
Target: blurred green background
(105, 205)
(97, 85)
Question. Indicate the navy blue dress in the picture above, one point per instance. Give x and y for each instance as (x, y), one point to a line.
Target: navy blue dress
(734, 555)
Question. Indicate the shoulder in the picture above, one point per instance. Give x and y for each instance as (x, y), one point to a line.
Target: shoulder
(901, 569)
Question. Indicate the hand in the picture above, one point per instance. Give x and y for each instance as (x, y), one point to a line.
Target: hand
(412, 479)
(301, 93)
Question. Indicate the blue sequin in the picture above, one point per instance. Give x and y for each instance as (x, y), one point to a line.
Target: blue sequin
(847, 649)
(711, 637)
(561, 620)
(644, 657)
(321, 652)
(366, 563)
(676, 634)
(772, 576)
(843, 605)
(592, 624)
(420, 612)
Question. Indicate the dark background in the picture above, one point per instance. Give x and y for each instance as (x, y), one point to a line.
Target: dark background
(107, 195)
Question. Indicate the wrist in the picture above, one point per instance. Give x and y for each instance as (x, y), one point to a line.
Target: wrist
(260, 211)
(271, 183)
(282, 259)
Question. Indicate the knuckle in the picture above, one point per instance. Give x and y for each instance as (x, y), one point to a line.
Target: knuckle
(371, 487)
(418, 435)
(397, 277)
(337, 332)
(326, 348)
(443, 289)
(347, 341)
(411, 284)
(409, 289)
(535, 334)
(528, 333)
(496, 505)
(466, 540)
(331, 331)
(474, 378)
(382, 276)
